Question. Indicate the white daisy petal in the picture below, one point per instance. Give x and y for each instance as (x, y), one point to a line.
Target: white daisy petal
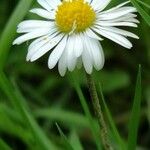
(133, 20)
(98, 55)
(78, 45)
(96, 51)
(45, 5)
(62, 64)
(49, 4)
(51, 35)
(34, 24)
(92, 34)
(87, 57)
(31, 35)
(35, 42)
(56, 53)
(31, 25)
(118, 12)
(115, 37)
(87, 64)
(43, 13)
(100, 4)
(40, 43)
(116, 7)
(45, 48)
(53, 3)
(120, 31)
(34, 49)
(122, 18)
(111, 24)
(70, 47)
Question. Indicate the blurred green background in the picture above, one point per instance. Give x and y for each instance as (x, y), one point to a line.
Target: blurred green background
(50, 99)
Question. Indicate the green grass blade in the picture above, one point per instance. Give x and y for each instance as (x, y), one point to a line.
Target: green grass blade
(18, 101)
(114, 129)
(13, 128)
(135, 114)
(142, 12)
(69, 118)
(66, 141)
(75, 142)
(10, 30)
(144, 4)
(4, 146)
(88, 114)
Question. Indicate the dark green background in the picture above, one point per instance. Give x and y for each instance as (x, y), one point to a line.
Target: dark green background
(44, 88)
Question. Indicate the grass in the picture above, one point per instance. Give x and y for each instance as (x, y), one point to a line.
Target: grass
(40, 110)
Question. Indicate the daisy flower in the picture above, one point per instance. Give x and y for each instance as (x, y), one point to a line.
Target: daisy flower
(73, 29)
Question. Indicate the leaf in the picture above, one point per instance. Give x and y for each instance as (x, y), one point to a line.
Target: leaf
(142, 12)
(87, 112)
(4, 145)
(11, 125)
(66, 141)
(135, 114)
(69, 118)
(18, 102)
(75, 142)
(148, 102)
(144, 4)
(10, 29)
(114, 130)
(120, 79)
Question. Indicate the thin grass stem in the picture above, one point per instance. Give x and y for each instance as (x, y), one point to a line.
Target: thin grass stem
(98, 113)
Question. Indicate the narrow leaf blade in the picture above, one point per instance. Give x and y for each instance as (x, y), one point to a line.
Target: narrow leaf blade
(135, 114)
(115, 132)
(66, 141)
(142, 12)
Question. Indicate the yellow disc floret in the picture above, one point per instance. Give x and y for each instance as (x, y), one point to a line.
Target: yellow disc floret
(74, 16)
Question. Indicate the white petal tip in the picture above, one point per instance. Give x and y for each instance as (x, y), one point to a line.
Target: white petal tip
(129, 47)
(27, 59)
(62, 74)
(98, 68)
(33, 59)
(14, 43)
(50, 65)
(32, 10)
(89, 72)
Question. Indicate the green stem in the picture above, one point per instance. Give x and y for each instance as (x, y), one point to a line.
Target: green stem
(9, 32)
(98, 113)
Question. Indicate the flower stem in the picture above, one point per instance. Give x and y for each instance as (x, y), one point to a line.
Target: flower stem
(98, 113)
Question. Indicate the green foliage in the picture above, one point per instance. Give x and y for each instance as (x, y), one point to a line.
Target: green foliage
(33, 98)
(4, 146)
(9, 32)
(19, 103)
(88, 114)
(75, 141)
(135, 115)
(142, 12)
(119, 144)
(67, 143)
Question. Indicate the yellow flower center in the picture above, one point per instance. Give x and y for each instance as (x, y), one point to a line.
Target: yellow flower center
(74, 16)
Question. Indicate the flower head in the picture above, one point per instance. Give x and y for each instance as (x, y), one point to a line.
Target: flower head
(72, 31)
